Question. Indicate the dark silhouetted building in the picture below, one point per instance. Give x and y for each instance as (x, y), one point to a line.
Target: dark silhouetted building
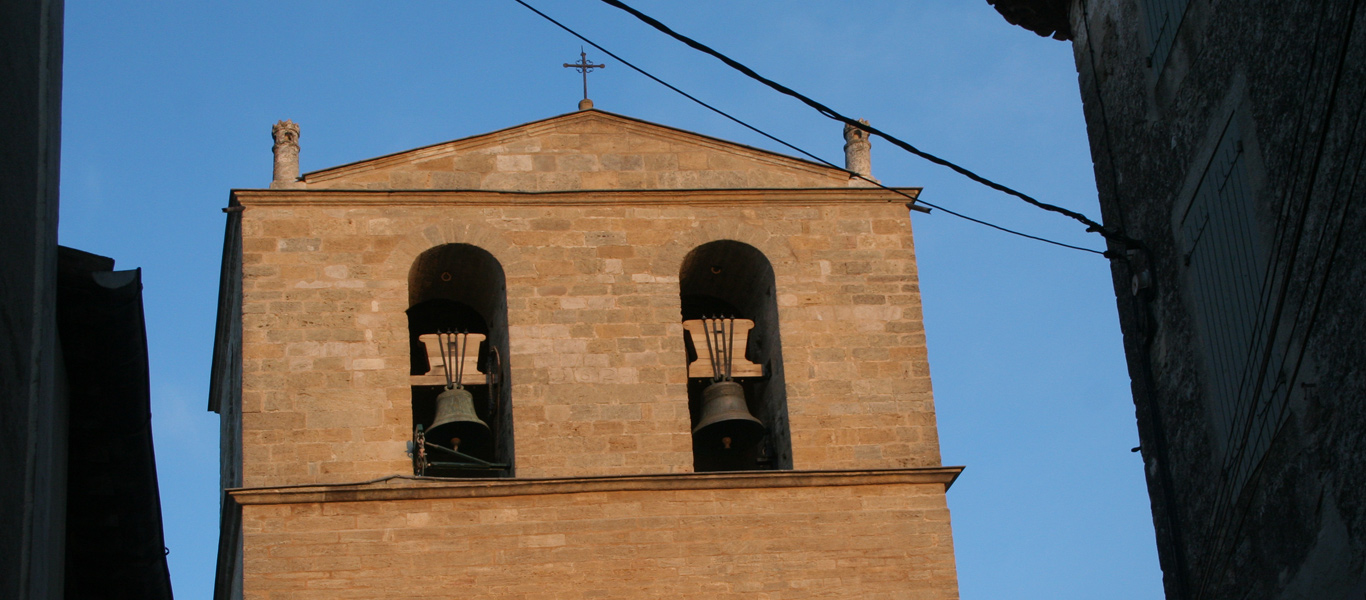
(1228, 145)
(80, 515)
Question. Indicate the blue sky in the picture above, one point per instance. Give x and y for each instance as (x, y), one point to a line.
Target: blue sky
(168, 105)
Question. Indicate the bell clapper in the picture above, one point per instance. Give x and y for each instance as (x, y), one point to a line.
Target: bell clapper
(455, 444)
(725, 441)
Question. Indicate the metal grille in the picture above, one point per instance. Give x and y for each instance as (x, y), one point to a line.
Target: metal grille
(1163, 19)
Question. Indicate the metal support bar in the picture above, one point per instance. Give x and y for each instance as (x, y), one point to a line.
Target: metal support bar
(460, 454)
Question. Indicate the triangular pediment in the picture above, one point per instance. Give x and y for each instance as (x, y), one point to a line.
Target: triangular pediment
(584, 150)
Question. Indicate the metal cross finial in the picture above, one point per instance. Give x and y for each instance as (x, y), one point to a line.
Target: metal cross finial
(583, 66)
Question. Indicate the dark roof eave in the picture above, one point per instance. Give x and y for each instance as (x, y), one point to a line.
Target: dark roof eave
(114, 533)
(1048, 18)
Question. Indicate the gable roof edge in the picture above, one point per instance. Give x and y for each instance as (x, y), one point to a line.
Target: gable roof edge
(441, 148)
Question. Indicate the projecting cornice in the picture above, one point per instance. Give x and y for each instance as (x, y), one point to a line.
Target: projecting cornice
(389, 198)
(401, 487)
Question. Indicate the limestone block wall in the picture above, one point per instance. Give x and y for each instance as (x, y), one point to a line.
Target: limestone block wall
(597, 354)
(781, 543)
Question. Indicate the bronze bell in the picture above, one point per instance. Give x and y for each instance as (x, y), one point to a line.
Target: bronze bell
(725, 418)
(456, 423)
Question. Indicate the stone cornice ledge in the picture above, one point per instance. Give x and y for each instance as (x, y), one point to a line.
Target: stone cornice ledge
(403, 487)
(721, 197)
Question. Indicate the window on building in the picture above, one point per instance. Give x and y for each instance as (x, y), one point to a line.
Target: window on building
(458, 335)
(1226, 263)
(736, 395)
(1163, 18)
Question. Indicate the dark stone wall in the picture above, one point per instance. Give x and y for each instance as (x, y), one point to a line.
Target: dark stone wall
(1291, 76)
(32, 413)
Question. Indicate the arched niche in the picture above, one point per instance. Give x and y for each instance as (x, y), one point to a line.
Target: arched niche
(461, 287)
(732, 279)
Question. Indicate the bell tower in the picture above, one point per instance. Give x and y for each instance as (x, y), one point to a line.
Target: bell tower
(587, 356)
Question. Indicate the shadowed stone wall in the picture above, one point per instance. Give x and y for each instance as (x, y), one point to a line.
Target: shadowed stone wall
(32, 412)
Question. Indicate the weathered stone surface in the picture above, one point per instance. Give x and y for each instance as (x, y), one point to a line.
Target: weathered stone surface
(858, 150)
(285, 174)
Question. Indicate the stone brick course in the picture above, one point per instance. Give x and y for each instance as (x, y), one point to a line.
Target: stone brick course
(864, 541)
(596, 334)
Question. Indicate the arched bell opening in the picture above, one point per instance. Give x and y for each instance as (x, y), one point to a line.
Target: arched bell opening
(457, 334)
(736, 395)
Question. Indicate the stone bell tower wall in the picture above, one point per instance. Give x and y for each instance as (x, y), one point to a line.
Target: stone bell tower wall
(797, 536)
(597, 355)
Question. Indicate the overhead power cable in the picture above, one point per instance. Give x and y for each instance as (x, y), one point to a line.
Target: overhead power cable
(1091, 225)
(913, 199)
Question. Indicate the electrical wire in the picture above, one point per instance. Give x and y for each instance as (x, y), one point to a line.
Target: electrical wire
(1091, 225)
(913, 199)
